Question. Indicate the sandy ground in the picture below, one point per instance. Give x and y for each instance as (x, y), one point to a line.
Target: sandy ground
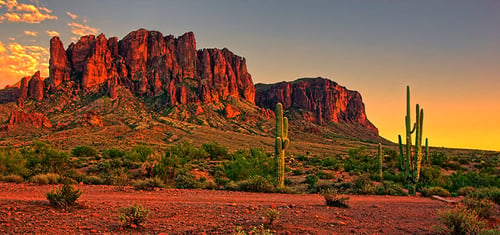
(24, 209)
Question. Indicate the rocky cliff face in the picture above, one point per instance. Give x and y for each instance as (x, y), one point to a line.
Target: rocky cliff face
(151, 64)
(323, 101)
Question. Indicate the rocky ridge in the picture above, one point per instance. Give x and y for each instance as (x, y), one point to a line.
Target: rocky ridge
(320, 100)
(171, 72)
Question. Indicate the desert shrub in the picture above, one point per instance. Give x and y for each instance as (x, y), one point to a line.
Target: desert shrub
(331, 163)
(142, 152)
(298, 171)
(148, 184)
(12, 162)
(390, 188)
(63, 197)
(168, 165)
(483, 207)
(258, 230)
(133, 215)
(439, 159)
(12, 178)
(43, 179)
(272, 215)
(460, 220)
(185, 179)
(83, 151)
(363, 185)
(43, 158)
(93, 180)
(390, 175)
(256, 183)
(121, 179)
(439, 191)
(311, 180)
(460, 179)
(325, 175)
(492, 194)
(246, 164)
(360, 161)
(431, 176)
(332, 198)
(464, 191)
(187, 151)
(215, 151)
(322, 186)
(113, 153)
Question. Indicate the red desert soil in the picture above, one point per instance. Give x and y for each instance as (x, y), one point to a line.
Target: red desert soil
(24, 209)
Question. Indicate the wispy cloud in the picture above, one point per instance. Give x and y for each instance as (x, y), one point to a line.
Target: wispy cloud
(73, 16)
(82, 30)
(26, 13)
(52, 33)
(20, 60)
(30, 33)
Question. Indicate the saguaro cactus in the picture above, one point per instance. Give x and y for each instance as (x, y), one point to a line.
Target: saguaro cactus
(411, 159)
(281, 144)
(380, 161)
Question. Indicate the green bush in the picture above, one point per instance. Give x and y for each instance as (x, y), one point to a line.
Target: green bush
(113, 153)
(460, 220)
(363, 185)
(464, 191)
(12, 179)
(215, 151)
(133, 216)
(492, 194)
(311, 180)
(256, 184)
(63, 197)
(185, 179)
(332, 198)
(360, 161)
(142, 152)
(93, 180)
(272, 215)
(148, 184)
(390, 188)
(439, 191)
(246, 164)
(12, 163)
(483, 207)
(43, 159)
(83, 151)
(43, 179)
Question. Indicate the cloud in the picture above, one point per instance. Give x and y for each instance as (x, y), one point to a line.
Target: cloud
(82, 30)
(73, 16)
(26, 13)
(18, 61)
(30, 33)
(52, 33)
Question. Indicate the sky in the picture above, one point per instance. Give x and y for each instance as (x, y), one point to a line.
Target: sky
(447, 51)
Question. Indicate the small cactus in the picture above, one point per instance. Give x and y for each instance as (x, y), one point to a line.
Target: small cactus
(380, 162)
(281, 144)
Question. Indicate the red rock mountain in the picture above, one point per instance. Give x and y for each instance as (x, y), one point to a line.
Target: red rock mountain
(172, 70)
(323, 100)
(151, 64)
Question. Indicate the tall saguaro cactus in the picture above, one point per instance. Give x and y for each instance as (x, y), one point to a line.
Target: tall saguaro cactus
(281, 143)
(411, 159)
